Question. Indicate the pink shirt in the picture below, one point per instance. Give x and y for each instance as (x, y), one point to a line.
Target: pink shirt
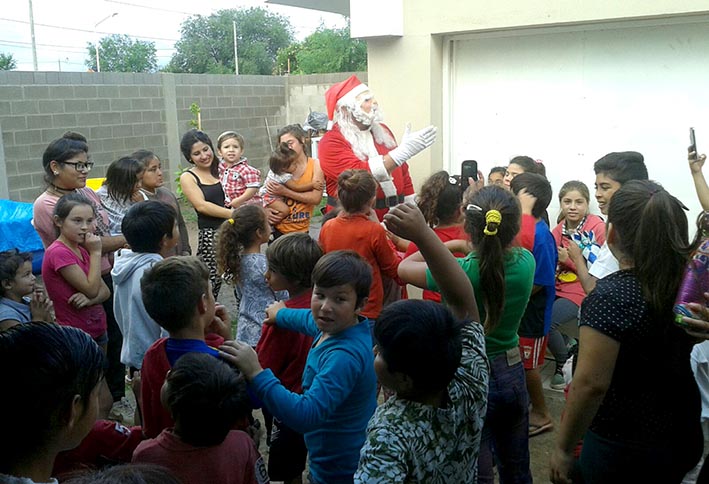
(91, 319)
(43, 219)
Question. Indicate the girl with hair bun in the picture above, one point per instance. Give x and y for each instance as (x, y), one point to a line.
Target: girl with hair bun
(502, 276)
(440, 200)
(356, 228)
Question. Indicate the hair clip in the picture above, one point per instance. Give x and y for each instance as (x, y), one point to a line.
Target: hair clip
(473, 207)
(231, 221)
(452, 180)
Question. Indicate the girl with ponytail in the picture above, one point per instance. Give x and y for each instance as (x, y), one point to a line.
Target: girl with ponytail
(633, 398)
(502, 277)
(240, 262)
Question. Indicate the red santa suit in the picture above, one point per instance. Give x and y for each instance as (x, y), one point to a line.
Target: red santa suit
(336, 155)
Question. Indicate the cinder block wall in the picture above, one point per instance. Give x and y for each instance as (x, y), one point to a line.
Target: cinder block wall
(120, 113)
(307, 93)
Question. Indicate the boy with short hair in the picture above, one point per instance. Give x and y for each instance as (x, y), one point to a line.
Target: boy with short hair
(207, 398)
(20, 300)
(434, 359)
(339, 384)
(612, 171)
(291, 260)
(151, 232)
(536, 321)
(178, 296)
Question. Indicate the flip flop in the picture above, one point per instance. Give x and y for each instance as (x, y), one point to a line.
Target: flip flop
(540, 429)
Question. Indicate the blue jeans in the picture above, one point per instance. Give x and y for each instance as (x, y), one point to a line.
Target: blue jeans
(505, 435)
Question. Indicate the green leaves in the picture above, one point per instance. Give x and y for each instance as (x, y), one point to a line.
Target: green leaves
(207, 43)
(325, 50)
(120, 53)
(7, 62)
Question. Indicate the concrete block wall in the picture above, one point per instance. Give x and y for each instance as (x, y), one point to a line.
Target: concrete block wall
(120, 113)
(246, 104)
(307, 93)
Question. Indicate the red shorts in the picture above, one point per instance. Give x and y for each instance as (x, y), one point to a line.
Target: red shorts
(533, 351)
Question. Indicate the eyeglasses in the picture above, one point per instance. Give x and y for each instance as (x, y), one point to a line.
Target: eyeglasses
(80, 165)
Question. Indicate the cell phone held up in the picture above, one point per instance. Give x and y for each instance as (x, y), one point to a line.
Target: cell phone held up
(692, 144)
(468, 169)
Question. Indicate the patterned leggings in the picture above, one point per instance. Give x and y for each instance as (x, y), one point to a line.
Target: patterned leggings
(207, 251)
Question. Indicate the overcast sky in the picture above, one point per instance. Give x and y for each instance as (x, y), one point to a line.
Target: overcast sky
(63, 28)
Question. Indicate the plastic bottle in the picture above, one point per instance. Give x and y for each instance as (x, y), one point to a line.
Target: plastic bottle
(695, 281)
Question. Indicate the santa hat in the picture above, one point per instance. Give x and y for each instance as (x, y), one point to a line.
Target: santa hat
(343, 92)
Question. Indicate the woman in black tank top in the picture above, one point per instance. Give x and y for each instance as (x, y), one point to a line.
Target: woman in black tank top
(201, 186)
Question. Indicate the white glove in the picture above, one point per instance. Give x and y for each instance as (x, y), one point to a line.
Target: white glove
(413, 143)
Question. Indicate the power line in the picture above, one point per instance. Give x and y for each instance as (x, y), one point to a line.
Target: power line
(83, 30)
(151, 8)
(20, 44)
(28, 45)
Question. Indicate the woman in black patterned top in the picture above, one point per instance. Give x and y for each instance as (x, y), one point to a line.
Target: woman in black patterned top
(633, 398)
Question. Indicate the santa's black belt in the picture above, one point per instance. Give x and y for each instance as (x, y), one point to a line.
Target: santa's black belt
(380, 203)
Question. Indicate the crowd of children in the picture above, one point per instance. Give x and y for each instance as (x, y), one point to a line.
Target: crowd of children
(317, 330)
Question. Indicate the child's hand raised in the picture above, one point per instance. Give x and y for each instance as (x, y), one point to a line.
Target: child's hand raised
(41, 307)
(241, 356)
(272, 310)
(92, 243)
(696, 162)
(406, 221)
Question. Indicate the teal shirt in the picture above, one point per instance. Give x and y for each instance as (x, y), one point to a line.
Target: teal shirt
(519, 278)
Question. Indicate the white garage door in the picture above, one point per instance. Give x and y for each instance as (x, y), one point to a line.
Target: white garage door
(570, 96)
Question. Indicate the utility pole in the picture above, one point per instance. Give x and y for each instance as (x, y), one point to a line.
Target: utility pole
(236, 57)
(98, 60)
(34, 44)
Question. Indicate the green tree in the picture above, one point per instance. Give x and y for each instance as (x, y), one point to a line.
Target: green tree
(120, 53)
(325, 50)
(207, 43)
(7, 62)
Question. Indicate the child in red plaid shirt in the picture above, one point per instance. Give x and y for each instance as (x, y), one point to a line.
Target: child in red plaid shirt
(239, 180)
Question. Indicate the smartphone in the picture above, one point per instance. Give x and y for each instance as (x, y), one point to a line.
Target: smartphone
(469, 168)
(692, 143)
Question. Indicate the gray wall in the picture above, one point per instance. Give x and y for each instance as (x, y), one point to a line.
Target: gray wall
(120, 113)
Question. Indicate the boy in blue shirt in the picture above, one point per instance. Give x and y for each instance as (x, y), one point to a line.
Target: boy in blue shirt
(20, 300)
(536, 321)
(339, 383)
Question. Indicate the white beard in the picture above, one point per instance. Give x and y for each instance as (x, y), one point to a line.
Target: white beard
(362, 140)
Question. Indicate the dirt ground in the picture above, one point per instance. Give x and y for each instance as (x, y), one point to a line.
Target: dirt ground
(540, 446)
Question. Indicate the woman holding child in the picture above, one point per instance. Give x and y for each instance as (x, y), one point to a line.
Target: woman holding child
(202, 187)
(307, 171)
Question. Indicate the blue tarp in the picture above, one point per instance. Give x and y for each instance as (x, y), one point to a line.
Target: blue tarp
(17, 232)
